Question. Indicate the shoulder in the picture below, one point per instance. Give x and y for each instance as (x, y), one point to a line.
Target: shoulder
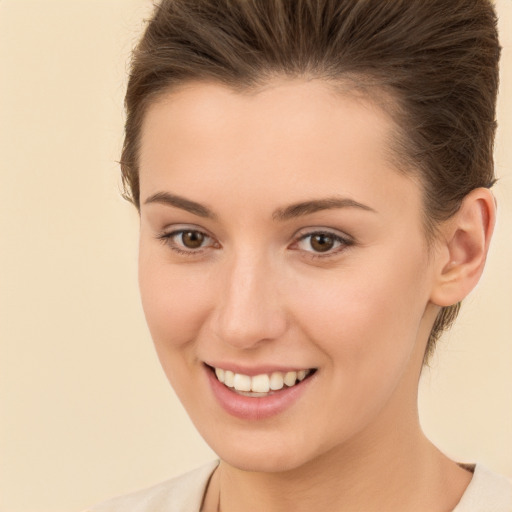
(487, 491)
(182, 494)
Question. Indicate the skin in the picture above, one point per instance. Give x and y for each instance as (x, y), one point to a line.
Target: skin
(256, 292)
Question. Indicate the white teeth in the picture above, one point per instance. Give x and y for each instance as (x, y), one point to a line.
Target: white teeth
(229, 378)
(220, 374)
(290, 378)
(242, 382)
(260, 383)
(276, 381)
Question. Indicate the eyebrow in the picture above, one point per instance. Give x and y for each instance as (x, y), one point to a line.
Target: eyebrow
(316, 205)
(281, 214)
(182, 203)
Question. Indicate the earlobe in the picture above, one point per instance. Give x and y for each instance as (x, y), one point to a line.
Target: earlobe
(463, 248)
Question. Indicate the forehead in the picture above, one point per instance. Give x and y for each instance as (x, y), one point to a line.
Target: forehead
(300, 110)
(289, 138)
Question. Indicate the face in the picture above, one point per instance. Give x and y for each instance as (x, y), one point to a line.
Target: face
(279, 246)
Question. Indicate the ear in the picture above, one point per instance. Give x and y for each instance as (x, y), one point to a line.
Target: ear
(462, 248)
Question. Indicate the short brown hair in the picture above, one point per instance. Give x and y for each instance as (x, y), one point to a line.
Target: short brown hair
(437, 58)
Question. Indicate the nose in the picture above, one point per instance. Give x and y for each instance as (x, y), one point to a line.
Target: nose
(249, 310)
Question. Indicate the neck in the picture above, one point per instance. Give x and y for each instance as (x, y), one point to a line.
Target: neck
(411, 475)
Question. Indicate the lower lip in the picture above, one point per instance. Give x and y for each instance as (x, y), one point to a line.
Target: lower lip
(256, 408)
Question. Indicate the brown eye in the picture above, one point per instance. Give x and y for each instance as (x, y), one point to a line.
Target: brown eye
(192, 239)
(188, 242)
(322, 242)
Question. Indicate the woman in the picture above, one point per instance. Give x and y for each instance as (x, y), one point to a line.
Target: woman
(312, 178)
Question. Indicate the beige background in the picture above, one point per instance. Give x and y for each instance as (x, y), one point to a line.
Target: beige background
(86, 412)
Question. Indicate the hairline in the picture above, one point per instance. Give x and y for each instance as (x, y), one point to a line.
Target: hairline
(360, 86)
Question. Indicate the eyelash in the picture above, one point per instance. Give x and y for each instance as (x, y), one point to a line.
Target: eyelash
(167, 239)
(343, 242)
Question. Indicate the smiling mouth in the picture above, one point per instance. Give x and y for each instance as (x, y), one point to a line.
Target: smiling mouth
(264, 384)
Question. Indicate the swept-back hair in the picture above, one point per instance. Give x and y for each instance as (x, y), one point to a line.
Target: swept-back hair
(436, 59)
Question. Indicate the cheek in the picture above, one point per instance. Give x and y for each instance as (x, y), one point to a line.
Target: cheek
(367, 315)
(172, 300)
(174, 306)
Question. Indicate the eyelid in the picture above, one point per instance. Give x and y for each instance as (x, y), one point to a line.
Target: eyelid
(344, 240)
(167, 234)
(315, 230)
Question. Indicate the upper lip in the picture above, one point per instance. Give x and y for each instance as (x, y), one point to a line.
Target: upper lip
(260, 369)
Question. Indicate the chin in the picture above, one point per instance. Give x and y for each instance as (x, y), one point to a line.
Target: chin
(264, 454)
(263, 462)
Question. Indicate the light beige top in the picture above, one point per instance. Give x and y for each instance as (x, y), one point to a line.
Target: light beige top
(487, 492)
